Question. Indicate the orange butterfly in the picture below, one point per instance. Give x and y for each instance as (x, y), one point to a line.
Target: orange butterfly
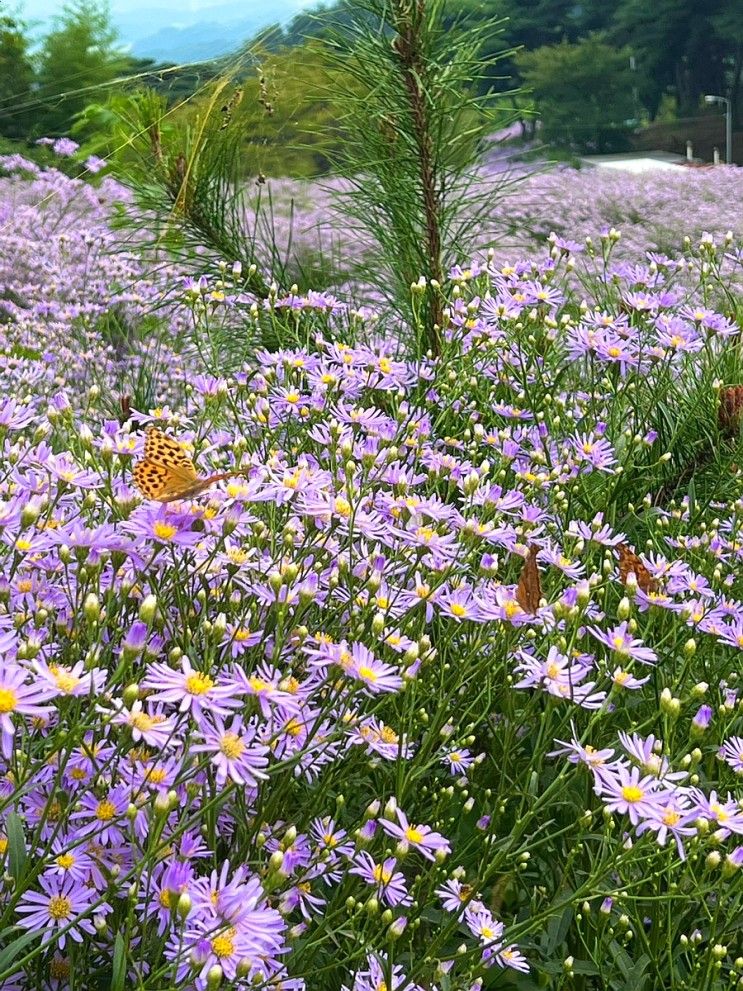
(629, 562)
(730, 409)
(529, 590)
(166, 473)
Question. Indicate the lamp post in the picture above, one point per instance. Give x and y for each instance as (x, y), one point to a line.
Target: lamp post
(710, 99)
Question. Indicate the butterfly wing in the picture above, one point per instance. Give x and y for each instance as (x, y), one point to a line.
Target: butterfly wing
(630, 563)
(529, 589)
(729, 410)
(166, 472)
(164, 450)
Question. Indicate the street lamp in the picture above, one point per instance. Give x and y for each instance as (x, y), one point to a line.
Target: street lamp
(728, 124)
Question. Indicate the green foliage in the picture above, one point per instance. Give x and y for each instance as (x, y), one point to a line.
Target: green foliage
(583, 92)
(288, 113)
(416, 126)
(77, 57)
(16, 79)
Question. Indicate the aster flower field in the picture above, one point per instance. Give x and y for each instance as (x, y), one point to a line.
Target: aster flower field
(440, 690)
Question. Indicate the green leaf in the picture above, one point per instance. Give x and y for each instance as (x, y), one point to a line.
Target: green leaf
(13, 950)
(16, 846)
(692, 495)
(118, 975)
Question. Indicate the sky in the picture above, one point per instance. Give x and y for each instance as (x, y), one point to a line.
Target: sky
(177, 29)
(183, 11)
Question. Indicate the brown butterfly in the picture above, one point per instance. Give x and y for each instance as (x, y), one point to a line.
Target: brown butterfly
(529, 590)
(166, 473)
(730, 409)
(126, 408)
(629, 562)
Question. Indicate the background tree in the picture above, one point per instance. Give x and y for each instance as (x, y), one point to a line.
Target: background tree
(16, 79)
(583, 92)
(676, 46)
(77, 57)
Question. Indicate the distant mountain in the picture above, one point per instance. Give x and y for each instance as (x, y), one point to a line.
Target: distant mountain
(182, 30)
(216, 31)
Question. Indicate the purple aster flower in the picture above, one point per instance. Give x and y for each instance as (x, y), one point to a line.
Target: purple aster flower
(375, 675)
(421, 838)
(379, 975)
(104, 818)
(727, 814)
(624, 791)
(65, 147)
(235, 752)
(675, 818)
(150, 725)
(702, 718)
(72, 681)
(60, 902)
(622, 643)
(731, 752)
(70, 860)
(458, 761)
(455, 896)
(19, 699)
(192, 690)
(389, 883)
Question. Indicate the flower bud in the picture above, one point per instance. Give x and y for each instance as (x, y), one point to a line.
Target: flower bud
(148, 609)
(92, 608)
(183, 905)
(214, 977)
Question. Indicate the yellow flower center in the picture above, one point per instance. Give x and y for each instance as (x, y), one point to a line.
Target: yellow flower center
(164, 531)
(385, 365)
(292, 397)
(165, 898)
(141, 721)
(367, 673)
(65, 861)
(198, 683)
(65, 681)
(156, 775)
(342, 506)
(231, 745)
(380, 874)
(670, 818)
(458, 610)
(413, 834)
(388, 735)
(224, 945)
(242, 634)
(631, 793)
(258, 684)
(25, 585)
(59, 969)
(8, 700)
(293, 727)
(106, 811)
(60, 907)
